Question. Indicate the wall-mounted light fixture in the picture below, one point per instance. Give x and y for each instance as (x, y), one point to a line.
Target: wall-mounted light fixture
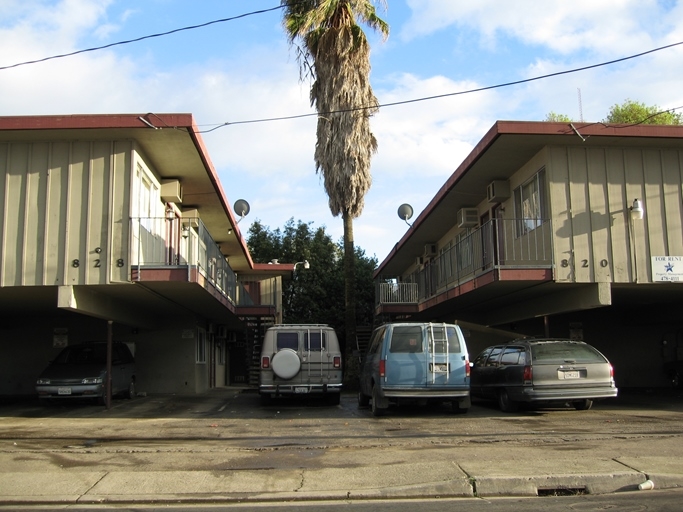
(185, 231)
(170, 214)
(637, 210)
(305, 263)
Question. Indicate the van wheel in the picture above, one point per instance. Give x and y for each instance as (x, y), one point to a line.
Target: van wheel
(504, 402)
(376, 408)
(583, 405)
(363, 400)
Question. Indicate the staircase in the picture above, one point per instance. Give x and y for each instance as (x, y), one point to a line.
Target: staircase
(256, 330)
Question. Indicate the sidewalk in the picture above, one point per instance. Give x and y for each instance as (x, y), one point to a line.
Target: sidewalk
(483, 478)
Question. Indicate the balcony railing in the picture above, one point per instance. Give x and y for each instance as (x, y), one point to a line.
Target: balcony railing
(497, 244)
(159, 242)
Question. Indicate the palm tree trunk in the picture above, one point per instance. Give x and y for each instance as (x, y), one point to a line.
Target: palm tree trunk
(351, 368)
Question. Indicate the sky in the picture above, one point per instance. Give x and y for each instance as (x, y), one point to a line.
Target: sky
(243, 69)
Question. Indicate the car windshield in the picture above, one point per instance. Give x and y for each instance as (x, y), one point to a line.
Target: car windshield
(83, 354)
(565, 352)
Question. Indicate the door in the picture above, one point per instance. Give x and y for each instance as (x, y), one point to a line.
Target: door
(406, 361)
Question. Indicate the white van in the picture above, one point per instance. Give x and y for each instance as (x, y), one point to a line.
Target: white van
(301, 360)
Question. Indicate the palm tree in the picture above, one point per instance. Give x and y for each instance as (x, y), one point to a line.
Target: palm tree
(334, 51)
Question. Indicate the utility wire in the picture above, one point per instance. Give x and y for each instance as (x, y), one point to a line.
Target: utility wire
(459, 93)
(160, 34)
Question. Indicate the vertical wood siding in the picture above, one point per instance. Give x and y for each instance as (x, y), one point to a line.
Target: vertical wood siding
(65, 212)
(591, 192)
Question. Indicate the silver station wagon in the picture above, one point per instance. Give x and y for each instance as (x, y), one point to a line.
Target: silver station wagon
(542, 372)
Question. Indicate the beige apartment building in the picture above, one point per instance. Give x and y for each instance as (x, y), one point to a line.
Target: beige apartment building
(121, 221)
(554, 229)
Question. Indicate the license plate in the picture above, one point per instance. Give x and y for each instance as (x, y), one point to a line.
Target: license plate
(571, 375)
(301, 390)
(439, 368)
(63, 391)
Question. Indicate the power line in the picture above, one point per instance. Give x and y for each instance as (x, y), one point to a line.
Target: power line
(459, 93)
(138, 39)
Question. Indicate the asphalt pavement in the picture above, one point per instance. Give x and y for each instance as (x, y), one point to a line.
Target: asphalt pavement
(68, 455)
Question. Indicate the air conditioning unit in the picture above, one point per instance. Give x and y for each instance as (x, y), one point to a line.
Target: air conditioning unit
(171, 191)
(497, 191)
(222, 331)
(430, 250)
(419, 261)
(210, 328)
(191, 217)
(467, 217)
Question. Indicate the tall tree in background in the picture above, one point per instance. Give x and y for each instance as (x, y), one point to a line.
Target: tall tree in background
(315, 295)
(335, 52)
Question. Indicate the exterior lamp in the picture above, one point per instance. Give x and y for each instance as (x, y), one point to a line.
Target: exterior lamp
(637, 210)
(185, 231)
(170, 214)
(305, 263)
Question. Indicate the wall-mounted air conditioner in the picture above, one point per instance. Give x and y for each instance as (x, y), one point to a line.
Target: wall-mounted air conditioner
(192, 217)
(430, 250)
(222, 331)
(171, 191)
(467, 217)
(419, 261)
(498, 191)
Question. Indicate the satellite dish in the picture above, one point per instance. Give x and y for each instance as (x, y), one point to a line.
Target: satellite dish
(405, 212)
(241, 208)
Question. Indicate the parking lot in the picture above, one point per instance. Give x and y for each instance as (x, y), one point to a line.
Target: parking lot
(227, 432)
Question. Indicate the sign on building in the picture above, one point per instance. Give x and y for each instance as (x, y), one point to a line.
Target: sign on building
(667, 269)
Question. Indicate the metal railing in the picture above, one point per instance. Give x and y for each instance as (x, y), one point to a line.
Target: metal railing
(181, 242)
(497, 244)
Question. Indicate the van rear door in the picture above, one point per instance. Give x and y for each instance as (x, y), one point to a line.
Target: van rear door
(406, 364)
(446, 359)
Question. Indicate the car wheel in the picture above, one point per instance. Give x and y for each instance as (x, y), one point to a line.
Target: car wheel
(583, 405)
(333, 399)
(130, 393)
(504, 402)
(363, 400)
(675, 379)
(375, 404)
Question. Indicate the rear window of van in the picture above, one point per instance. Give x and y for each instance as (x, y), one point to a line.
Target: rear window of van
(287, 340)
(406, 339)
(314, 341)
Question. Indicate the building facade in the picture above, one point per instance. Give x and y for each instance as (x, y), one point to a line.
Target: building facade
(553, 229)
(120, 222)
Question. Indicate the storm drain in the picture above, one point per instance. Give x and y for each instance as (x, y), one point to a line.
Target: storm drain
(562, 491)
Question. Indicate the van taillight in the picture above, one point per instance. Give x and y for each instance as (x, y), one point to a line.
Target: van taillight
(611, 372)
(382, 368)
(336, 362)
(528, 375)
(467, 368)
(265, 362)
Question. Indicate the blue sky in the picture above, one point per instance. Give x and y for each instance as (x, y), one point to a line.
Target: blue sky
(245, 70)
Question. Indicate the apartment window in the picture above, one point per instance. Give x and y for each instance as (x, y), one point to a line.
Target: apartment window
(531, 204)
(201, 346)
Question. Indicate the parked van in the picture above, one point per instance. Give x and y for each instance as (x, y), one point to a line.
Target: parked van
(415, 361)
(301, 360)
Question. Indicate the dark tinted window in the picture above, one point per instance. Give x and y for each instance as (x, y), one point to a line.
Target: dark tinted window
(315, 341)
(376, 340)
(565, 352)
(83, 354)
(482, 357)
(406, 339)
(287, 340)
(493, 356)
(513, 355)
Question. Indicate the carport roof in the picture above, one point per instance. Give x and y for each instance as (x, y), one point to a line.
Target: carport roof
(174, 146)
(503, 150)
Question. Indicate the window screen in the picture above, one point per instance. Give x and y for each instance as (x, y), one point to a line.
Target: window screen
(287, 340)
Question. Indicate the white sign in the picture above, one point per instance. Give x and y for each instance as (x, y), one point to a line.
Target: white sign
(667, 269)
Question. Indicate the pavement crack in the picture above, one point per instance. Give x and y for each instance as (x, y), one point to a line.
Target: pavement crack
(87, 491)
(301, 483)
(472, 480)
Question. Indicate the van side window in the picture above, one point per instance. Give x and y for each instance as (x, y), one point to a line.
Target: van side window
(314, 341)
(287, 340)
(376, 341)
(406, 339)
